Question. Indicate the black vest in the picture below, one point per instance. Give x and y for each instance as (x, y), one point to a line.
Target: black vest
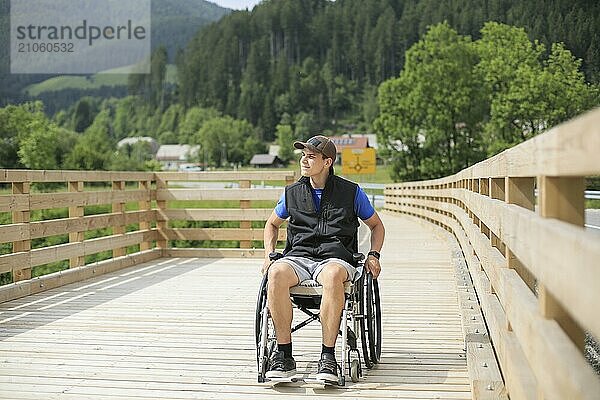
(329, 232)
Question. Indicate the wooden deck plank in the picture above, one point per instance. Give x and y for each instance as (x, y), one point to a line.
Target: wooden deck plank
(183, 328)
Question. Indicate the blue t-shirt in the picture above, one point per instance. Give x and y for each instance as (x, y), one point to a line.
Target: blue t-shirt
(362, 205)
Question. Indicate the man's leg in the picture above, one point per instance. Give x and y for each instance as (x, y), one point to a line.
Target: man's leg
(332, 278)
(281, 278)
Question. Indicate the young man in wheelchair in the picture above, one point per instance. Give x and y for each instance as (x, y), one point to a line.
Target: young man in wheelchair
(322, 211)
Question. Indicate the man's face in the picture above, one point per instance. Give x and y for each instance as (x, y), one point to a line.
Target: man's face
(312, 163)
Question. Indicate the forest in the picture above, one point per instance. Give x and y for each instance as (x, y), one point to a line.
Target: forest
(443, 84)
(322, 60)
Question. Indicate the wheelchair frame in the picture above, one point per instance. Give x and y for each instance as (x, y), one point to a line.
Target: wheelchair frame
(362, 309)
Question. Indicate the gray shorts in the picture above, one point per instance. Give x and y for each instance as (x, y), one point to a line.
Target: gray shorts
(307, 269)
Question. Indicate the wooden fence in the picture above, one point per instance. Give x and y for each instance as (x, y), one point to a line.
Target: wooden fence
(535, 267)
(240, 198)
(80, 224)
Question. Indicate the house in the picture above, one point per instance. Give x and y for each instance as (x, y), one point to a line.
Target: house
(266, 161)
(171, 156)
(349, 142)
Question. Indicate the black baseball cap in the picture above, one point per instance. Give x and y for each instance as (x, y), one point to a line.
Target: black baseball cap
(319, 144)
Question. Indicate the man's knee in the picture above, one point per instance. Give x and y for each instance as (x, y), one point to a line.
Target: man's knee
(332, 274)
(282, 273)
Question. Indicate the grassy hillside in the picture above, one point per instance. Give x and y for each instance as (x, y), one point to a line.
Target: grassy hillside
(174, 23)
(111, 77)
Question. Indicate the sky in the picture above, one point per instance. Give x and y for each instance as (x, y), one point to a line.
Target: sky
(236, 4)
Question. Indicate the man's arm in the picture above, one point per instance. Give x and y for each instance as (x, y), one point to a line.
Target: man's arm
(377, 236)
(271, 233)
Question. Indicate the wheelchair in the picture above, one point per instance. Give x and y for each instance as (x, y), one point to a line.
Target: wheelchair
(360, 319)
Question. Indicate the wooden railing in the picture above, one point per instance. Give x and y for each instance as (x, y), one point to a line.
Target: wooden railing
(535, 268)
(76, 224)
(176, 187)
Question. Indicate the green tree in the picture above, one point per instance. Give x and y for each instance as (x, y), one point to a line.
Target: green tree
(369, 106)
(94, 150)
(432, 112)
(13, 123)
(29, 139)
(565, 87)
(170, 119)
(158, 75)
(151, 86)
(397, 128)
(527, 94)
(305, 123)
(510, 69)
(285, 138)
(168, 137)
(134, 157)
(224, 141)
(39, 148)
(83, 116)
(125, 118)
(193, 120)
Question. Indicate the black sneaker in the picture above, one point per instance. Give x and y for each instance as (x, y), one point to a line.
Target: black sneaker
(281, 366)
(328, 368)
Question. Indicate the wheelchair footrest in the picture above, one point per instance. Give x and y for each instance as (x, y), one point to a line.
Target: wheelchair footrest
(323, 382)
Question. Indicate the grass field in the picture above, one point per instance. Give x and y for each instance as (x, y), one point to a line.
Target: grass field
(593, 203)
(382, 175)
(113, 77)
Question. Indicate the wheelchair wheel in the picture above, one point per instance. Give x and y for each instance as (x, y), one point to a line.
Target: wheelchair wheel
(373, 318)
(260, 304)
(361, 318)
(355, 370)
(264, 331)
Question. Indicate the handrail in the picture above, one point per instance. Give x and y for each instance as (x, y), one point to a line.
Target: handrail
(536, 272)
(181, 188)
(104, 221)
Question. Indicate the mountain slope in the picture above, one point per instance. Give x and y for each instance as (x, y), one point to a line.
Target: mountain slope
(174, 23)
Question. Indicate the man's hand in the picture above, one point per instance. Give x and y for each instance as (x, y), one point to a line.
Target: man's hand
(372, 265)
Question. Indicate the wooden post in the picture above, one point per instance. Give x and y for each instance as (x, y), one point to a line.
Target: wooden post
(245, 204)
(485, 230)
(144, 205)
(497, 242)
(76, 212)
(119, 207)
(24, 271)
(520, 191)
(484, 186)
(562, 198)
(161, 219)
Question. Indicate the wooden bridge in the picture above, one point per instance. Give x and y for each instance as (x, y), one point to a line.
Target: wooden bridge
(114, 287)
